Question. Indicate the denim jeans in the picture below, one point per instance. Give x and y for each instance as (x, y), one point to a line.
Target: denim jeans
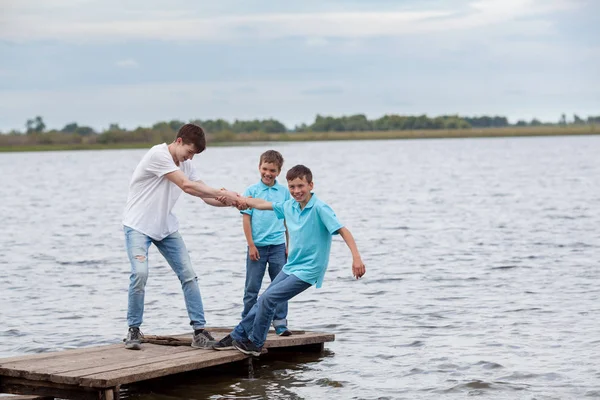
(255, 325)
(255, 271)
(173, 249)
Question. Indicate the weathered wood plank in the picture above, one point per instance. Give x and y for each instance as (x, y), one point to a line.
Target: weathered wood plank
(55, 354)
(46, 389)
(81, 361)
(195, 354)
(168, 367)
(274, 341)
(71, 375)
(109, 366)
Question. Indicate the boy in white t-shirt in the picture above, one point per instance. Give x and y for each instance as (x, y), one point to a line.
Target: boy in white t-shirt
(158, 180)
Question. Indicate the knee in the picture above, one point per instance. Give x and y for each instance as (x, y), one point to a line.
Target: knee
(188, 275)
(266, 300)
(139, 279)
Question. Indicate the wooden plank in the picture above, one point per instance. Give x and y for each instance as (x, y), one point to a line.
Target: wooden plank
(46, 389)
(274, 341)
(84, 361)
(70, 375)
(55, 354)
(112, 365)
(198, 354)
(26, 398)
(168, 367)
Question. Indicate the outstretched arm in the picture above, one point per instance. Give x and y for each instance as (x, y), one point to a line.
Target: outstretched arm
(214, 202)
(358, 268)
(200, 189)
(259, 204)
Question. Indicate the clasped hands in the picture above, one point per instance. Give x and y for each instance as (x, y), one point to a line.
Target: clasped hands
(232, 199)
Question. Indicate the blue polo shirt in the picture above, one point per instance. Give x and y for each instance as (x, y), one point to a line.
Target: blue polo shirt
(310, 233)
(267, 229)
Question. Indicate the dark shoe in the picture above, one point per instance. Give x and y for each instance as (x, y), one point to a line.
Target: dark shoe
(247, 347)
(282, 331)
(203, 340)
(134, 339)
(224, 344)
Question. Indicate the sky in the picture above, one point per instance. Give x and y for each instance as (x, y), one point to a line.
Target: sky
(97, 62)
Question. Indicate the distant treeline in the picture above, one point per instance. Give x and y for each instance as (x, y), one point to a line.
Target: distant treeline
(36, 132)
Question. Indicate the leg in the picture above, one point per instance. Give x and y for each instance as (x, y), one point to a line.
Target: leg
(244, 329)
(277, 260)
(283, 288)
(255, 271)
(173, 249)
(137, 245)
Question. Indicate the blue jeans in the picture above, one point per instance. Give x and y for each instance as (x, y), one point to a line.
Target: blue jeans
(255, 270)
(173, 249)
(255, 325)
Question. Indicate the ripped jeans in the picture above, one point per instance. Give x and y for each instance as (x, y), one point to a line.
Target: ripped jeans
(173, 249)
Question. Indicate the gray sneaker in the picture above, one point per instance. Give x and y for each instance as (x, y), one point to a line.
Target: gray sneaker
(203, 340)
(134, 339)
(224, 344)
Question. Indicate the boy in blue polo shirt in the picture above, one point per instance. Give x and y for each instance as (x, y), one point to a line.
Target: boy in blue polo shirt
(266, 236)
(310, 223)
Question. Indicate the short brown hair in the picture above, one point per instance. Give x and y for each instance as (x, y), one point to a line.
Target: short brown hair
(299, 171)
(192, 134)
(271, 156)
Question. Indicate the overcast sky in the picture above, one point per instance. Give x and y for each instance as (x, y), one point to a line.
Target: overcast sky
(134, 63)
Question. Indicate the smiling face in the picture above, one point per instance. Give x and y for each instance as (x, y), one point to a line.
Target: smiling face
(268, 172)
(183, 152)
(300, 190)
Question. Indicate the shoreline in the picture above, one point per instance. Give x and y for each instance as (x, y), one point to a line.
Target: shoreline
(257, 137)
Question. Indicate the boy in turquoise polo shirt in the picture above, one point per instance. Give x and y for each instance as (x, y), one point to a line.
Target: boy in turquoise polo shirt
(266, 236)
(310, 223)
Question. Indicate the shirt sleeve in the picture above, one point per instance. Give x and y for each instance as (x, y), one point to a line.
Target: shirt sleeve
(161, 163)
(193, 173)
(278, 208)
(329, 219)
(247, 193)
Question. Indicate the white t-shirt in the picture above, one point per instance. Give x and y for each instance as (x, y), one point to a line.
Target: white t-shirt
(152, 196)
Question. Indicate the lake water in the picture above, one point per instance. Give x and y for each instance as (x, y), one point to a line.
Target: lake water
(482, 263)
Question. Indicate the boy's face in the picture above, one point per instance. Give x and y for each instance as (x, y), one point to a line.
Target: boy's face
(184, 151)
(300, 189)
(268, 172)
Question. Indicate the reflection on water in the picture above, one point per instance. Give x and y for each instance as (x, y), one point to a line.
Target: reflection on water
(482, 268)
(273, 376)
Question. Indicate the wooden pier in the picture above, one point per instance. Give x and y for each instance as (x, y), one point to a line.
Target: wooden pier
(98, 372)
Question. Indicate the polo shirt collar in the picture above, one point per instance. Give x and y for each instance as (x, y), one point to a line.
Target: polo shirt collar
(310, 204)
(265, 187)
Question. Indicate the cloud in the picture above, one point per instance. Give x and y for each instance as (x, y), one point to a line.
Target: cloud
(127, 63)
(323, 90)
(162, 24)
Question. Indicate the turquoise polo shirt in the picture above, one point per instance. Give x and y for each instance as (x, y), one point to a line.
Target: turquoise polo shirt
(267, 229)
(310, 233)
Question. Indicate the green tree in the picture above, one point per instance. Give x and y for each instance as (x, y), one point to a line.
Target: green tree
(577, 120)
(70, 128)
(35, 125)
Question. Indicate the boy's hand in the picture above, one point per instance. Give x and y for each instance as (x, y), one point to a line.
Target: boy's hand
(253, 253)
(358, 268)
(241, 203)
(228, 197)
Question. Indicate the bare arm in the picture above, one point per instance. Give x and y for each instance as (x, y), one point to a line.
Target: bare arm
(213, 202)
(259, 204)
(199, 188)
(247, 224)
(358, 268)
